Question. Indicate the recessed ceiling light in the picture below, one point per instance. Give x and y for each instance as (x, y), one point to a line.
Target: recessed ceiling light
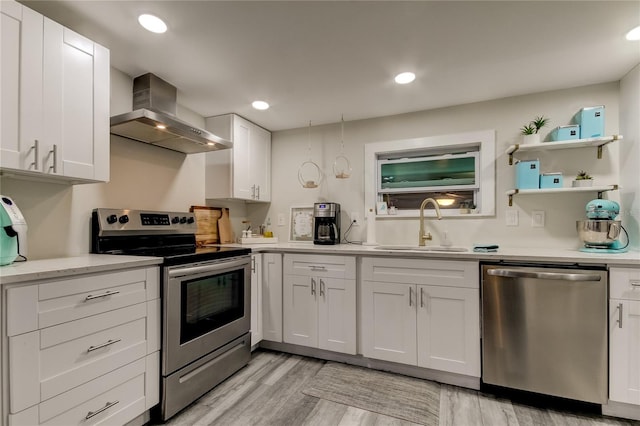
(160, 126)
(261, 105)
(152, 23)
(405, 77)
(634, 34)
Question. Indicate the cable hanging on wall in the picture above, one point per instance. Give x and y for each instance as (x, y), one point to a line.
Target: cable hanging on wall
(342, 165)
(309, 173)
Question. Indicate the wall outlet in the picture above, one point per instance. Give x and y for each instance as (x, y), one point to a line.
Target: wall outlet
(511, 217)
(281, 221)
(537, 219)
(355, 218)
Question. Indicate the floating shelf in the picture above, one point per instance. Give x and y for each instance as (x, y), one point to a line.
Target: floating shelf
(598, 189)
(575, 143)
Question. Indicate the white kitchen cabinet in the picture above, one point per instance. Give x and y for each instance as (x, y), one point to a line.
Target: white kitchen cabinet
(624, 336)
(272, 297)
(319, 302)
(256, 298)
(244, 171)
(422, 312)
(79, 344)
(55, 102)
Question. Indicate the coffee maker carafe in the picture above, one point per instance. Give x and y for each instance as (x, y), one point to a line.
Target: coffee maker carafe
(326, 223)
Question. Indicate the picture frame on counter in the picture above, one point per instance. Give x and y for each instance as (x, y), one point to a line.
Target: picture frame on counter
(301, 224)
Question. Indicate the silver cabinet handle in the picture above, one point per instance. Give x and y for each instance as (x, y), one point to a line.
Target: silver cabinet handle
(36, 153)
(410, 296)
(54, 153)
(253, 264)
(634, 283)
(313, 286)
(257, 192)
(103, 345)
(98, 296)
(253, 192)
(620, 305)
(318, 268)
(517, 273)
(106, 407)
(421, 297)
(322, 287)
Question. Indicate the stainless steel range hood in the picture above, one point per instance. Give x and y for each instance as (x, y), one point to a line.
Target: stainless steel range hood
(153, 120)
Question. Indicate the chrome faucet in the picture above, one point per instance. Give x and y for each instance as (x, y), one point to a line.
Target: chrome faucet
(422, 236)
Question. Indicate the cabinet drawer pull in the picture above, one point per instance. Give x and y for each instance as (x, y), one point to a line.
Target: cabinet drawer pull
(635, 283)
(318, 268)
(98, 296)
(619, 315)
(410, 296)
(106, 407)
(103, 345)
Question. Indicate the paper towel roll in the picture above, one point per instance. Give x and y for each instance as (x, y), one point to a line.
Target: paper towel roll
(371, 228)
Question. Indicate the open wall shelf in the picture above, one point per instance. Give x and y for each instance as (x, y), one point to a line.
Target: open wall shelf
(598, 189)
(576, 143)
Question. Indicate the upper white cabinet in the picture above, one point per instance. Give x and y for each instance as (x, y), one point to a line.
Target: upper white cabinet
(319, 302)
(422, 312)
(55, 100)
(243, 172)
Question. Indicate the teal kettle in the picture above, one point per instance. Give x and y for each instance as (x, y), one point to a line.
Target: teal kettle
(13, 232)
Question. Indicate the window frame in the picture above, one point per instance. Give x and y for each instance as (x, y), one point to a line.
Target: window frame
(484, 140)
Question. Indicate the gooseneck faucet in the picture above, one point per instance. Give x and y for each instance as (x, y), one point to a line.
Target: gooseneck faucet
(422, 236)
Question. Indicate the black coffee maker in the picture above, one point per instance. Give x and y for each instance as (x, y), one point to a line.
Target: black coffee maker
(326, 223)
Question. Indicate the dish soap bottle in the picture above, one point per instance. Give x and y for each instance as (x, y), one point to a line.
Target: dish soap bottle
(267, 229)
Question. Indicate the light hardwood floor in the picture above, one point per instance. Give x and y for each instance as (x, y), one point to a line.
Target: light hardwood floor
(269, 392)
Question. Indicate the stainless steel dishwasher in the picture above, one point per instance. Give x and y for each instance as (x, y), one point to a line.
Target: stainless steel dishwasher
(544, 330)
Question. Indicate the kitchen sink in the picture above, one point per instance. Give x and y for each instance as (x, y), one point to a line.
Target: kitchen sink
(423, 248)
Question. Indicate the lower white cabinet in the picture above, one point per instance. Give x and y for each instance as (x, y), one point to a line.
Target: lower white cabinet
(256, 299)
(422, 312)
(271, 285)
(319, 302)
(83, 349)
(624, 336)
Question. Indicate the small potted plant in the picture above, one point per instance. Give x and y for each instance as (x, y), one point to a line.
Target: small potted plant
(582, 179)
(467, 207)
(530, 130)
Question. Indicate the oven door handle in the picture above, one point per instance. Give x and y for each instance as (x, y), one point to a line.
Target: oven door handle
(215, 267)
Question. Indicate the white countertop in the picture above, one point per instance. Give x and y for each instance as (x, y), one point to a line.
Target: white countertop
(545, 255)
(31, 270)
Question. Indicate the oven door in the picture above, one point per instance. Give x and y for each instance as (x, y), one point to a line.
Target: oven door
(206, 305)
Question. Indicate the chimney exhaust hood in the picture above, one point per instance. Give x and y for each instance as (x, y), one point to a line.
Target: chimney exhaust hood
(154, 121)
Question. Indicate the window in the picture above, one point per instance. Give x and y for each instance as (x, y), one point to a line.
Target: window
(455, 170)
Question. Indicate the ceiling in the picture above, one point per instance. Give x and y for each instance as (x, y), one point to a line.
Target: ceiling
(317, 60)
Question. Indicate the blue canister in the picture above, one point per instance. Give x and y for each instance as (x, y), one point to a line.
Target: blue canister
(566, 133)
(550, 180)
(591, 121)
(528, 174)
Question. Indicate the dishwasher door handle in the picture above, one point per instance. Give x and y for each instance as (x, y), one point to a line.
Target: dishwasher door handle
(563, 276)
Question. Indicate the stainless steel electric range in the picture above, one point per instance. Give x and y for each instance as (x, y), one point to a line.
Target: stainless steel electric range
(205, 298)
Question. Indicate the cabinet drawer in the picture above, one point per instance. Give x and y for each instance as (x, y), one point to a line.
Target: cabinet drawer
(46, 363)
(450, 273)
(624, 283)
(329, 266)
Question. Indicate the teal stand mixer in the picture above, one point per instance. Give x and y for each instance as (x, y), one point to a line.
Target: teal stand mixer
(600, 232)
(13, 232)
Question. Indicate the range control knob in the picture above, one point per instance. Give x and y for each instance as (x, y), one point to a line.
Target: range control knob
(175, 219)
(124, 219)
(183, 219)
(190, 220)
(111, 219)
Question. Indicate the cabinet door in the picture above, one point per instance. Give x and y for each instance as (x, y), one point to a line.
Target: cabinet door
(449, 329)
(272, 297)
(21, 88)
(300, 310)
(256, 299)
(260, 160)
(76, 104)
(389, 321)
(624, 346)
(337, 315)
(242, 185)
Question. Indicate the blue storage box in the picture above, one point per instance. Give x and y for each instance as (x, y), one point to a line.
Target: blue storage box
(591, 121)
(528, 174)
(566, 133)
(551, 180)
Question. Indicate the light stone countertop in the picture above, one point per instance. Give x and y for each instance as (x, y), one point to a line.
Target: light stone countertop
(43, 269)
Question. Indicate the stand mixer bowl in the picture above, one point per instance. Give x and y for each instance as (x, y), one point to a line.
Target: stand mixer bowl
(598, 233)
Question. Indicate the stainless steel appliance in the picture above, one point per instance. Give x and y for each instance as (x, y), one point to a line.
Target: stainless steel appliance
(600, 232)
(205, 299)
(154, 120)
(326, 223)
(13, 232)
(544, 330)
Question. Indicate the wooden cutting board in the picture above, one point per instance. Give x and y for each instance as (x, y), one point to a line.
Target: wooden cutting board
(207, 221)
(224, 228)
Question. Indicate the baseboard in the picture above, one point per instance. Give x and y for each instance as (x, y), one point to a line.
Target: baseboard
(620, 409)
(361, 361)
